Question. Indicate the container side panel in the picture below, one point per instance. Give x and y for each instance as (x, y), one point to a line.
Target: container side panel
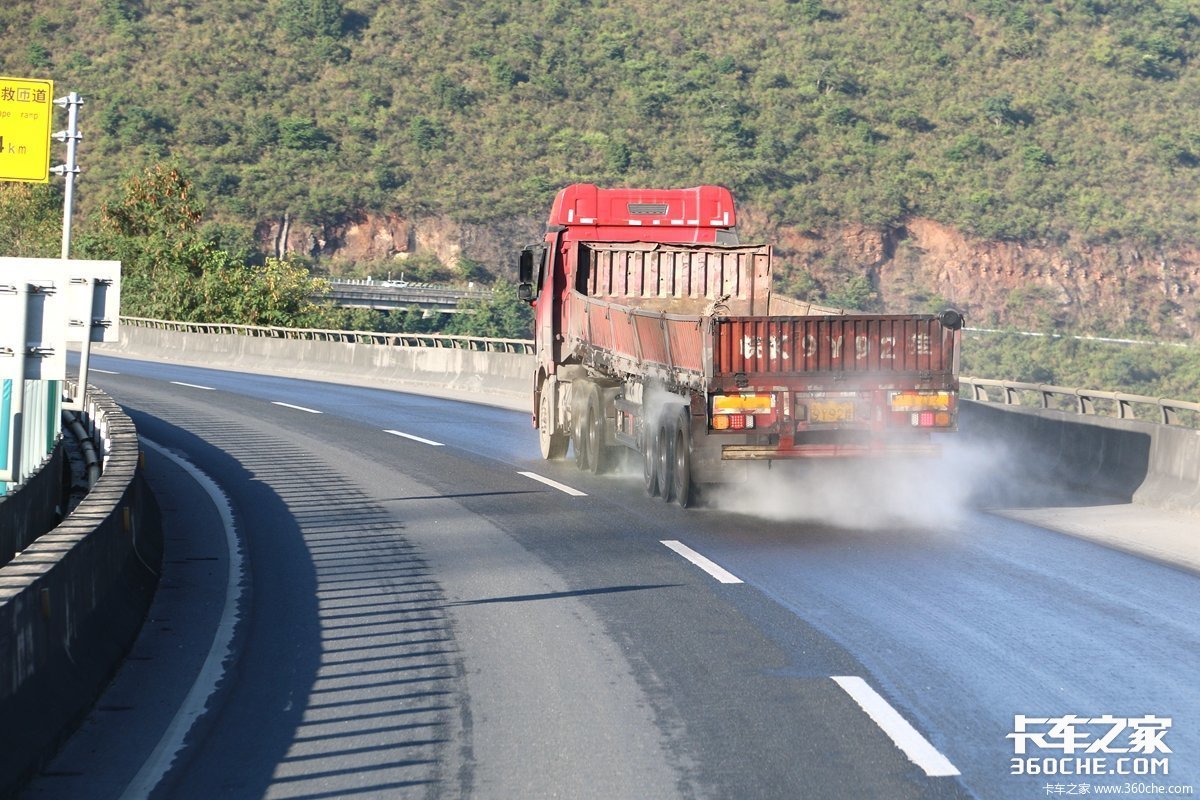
(854, 344)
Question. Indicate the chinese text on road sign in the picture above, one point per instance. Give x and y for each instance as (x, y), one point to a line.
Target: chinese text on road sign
(26, 112)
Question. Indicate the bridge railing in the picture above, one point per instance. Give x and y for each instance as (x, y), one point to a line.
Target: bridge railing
(1085, 401)
(491, 345)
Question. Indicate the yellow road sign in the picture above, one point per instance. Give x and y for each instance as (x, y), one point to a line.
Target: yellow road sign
(26, 113)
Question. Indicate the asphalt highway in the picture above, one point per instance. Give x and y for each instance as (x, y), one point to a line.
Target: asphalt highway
(375, 594)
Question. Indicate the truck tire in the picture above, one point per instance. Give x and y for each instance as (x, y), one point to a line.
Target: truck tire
(551, 440)
(666, 457)
(681, 483)
(649, 459)
(580, 438)
(593, 422)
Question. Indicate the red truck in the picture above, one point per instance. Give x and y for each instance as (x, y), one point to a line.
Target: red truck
(657, 332)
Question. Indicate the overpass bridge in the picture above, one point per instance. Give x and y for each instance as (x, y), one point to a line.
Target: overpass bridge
(402, 295)
(358, 551)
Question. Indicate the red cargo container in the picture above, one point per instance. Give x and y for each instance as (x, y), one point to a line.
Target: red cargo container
(657, 331)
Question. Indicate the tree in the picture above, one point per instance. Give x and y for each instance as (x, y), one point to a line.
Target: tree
(503, 316)
(151, 229)
(171, 269)
(303, 20)
(857, 293)
(30, 220)
(277, 294)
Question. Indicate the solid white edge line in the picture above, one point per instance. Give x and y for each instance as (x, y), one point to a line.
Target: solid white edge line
(429, 442)
(298, 408)
(194, 386)
(711, 567)
(915, 746)
(213, 671)
(554, 484)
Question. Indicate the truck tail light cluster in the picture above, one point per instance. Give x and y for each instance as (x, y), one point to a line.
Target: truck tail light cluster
(924, 409)
(742, 412)
(733, 422)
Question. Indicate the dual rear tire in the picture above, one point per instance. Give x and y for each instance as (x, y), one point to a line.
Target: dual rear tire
(592, 453)
(667, 457)
(666, 443)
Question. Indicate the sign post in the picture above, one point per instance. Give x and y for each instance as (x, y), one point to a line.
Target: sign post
(26, 112)
(70, 169)
(14, 372)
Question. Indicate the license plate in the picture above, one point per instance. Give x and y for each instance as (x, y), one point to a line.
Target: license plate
(831, 411)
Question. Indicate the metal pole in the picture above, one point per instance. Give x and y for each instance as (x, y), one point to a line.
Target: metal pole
(85, 355)
(71, 136)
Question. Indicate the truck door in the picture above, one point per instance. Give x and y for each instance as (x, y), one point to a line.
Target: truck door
(541, 282)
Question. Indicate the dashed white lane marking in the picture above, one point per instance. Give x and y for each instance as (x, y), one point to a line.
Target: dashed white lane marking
(298, 408)
(429, 442)
(194, 386)
(213, 670)
(915, 746)
(711, 567)
(554, 484)
(103, 371)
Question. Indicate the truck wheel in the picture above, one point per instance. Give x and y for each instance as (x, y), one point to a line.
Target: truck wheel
(552, 441)
(579, 426)
(650, 462)
(682, 474)
(593, 422)
(666, 458)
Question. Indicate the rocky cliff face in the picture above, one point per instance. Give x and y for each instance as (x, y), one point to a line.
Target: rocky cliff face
(913, 268)
(387, 240)
(1035, 286)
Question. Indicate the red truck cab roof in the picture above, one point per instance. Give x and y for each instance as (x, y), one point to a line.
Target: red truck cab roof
(699, 214)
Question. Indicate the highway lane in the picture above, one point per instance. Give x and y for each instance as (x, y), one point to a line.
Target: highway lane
(561, 645)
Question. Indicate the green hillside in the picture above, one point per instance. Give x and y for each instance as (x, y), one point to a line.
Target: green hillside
(1008, 119)
(1048, 121)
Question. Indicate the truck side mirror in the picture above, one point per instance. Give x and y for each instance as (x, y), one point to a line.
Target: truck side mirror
(951, 319)
(527, 265)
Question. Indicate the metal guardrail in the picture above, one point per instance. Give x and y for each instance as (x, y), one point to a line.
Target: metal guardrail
(522, 346)
(1085, 401)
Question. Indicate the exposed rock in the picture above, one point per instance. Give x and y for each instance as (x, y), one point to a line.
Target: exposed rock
(379, 238)
(1031, 285)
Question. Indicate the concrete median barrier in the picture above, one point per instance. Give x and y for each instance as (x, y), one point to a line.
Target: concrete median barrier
(34, 507)
(72, 603)
(502, 379)
(1118, 460)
